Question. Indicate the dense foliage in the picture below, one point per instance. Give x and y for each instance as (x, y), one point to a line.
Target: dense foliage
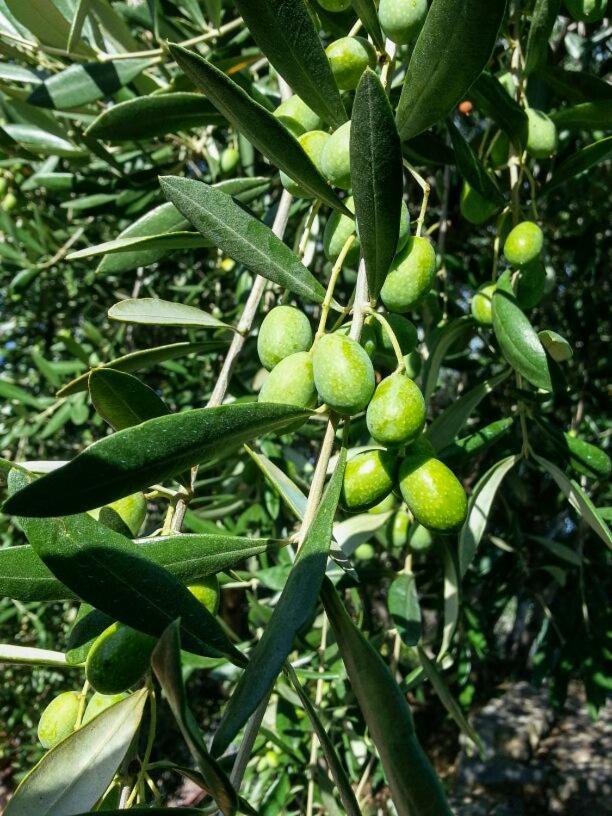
(304, 403)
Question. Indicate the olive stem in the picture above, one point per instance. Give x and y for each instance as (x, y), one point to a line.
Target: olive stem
(333, 279)
(308, 228)
(401, 365)
(82, 700)
(148, 747)
(318, 699)
(355, 29)
(426, 188)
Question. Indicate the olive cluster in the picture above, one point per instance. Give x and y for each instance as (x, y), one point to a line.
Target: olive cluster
(523, 251)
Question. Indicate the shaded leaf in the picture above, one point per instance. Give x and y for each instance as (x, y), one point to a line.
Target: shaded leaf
(78, 21)
(472, 169)
(123, 400)
(542, 22)
(579, 163)
(45, 22)
(403, 602)
(377, 177)
(493, 100)
(589, 115)
(367, 13)
(575, 86)
(443, 342)
(169, 242)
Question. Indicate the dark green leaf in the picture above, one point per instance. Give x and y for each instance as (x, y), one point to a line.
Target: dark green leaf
(83, 83)
(415, 788)
(376, 171)
(579, 163)
(156, 312)
(148, 116)
(166, 663)
(367, 13)
(88, 625)
(542, 22)
(123, 400)
(403, 601)
(43, 142)
(108, 571)
(588, 115)
(78, 21)
(451, 51)
(472, 169)
(286, 34)
(241, 236)
(144, 358)
(76, 773)
(517, 338)
(575, 86)
(137, 457)
(169, 242)
(260, 127)
(292, 612)
(46, 22)
(447, 337)
(493, 100)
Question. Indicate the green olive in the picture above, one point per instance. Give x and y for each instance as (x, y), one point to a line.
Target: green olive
(118, 659)
(343, 373)
(396, 531)
(129, 512)
(297, 117)
(530, 284)
(59, 718)
(291, 382)
(433, 493)
(208, 593)
(524, 244)
(336, 158)
(419, 538)
(368, 479)
(401, 20)
(367, 339)
(413, 363)
(396, 413)
(340, 227)
(229, 160)
(386, 505)
(284, 331)
(500, 150)
(410, 277)
(541, 134)
(312, 143)
(587, 11)
(404, 330)
(481, 304)
(334, 5)
(9, 202)
(349, 57)
(474, 207)
(99, 703)
(364, 552)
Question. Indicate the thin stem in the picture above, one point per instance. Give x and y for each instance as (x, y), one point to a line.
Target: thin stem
(401, 365)
(333, 279)
(149, 746)
(426, 188)
(82, 701)
(318, 699)
(308, 228)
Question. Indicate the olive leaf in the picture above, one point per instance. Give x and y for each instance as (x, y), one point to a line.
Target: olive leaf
(588, 115)
(518, 340)
(462, 449)
(241, 236)
(415, 788)
(542, 21)
(168, 242)
(78, 21)
(76, 773)
(472, 169)
(44, 20)
(123, 400)
(376, 171)
(493, 100)
(575, 86)
(143, 358)
(293, 611)
(442, 342)
(108, 571)
(145, 454)
(260, 127)
(578, 163)
(158, 312)
(286, 34)
(404, 607)
(367, 13)
(166, 662)
(450, 53)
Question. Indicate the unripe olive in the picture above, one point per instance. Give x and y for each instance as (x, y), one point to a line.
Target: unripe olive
(208, 593)
(130, 511)
(523, 244)
(367, 339)
(396, 413)
(334, 5)
(3, 186)
(9, 202)
(404, 330)
(482, 303)
(343, 373)
(295, 114)
(336, 158)
(530, 284)
(118, 659)
(413, 363)
(368, 479)
(433, 493)
(386, 505)
(474, 207)
(312, 143)
(229, 160)
(99, 703)
(419, 538)
(349, 57)
(364, 552)
(541, 134)
(500, 150)
(291, 382)
(339, 227)
(397, 529)
(587, 11)
(402, 20)
(284, 331)
(59, 718)
(410, 277)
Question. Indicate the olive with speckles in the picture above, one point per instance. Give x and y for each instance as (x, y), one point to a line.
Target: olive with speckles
(99, 703)
(402, 20)
(59, 718)
(118, 659)
(524, 244)
(291, 382)
(340, 227)
(284, 331)
(368, 479)
(349, 57)
(367, 338)
(396, 413)
(312, 143)
(434, 495)
(410, 276)
(336, 157)
(297, 117)
(128, 512)
(207, 592)
(343, 373)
